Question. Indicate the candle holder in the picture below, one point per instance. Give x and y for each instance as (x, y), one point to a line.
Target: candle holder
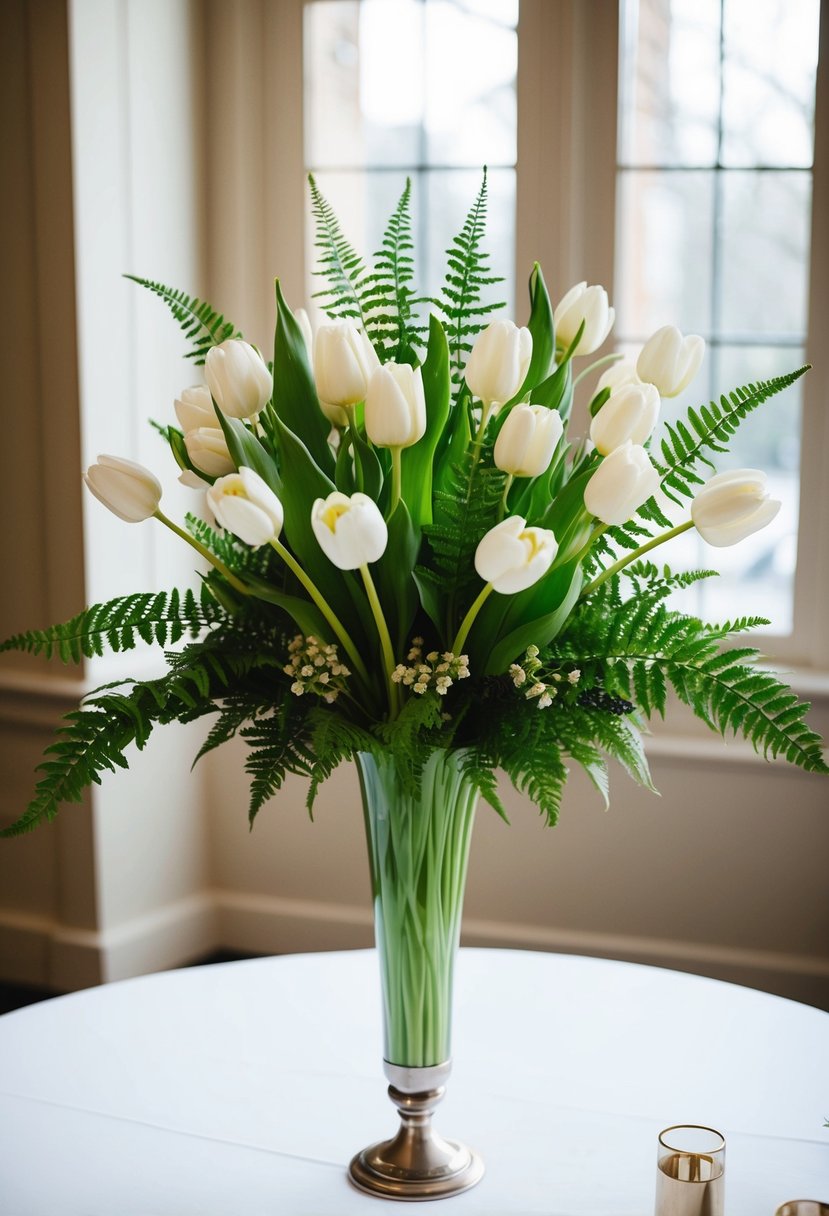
(690, 1174)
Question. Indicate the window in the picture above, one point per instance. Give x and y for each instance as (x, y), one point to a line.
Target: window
(644, 130)
(713, 230)
(424, 88)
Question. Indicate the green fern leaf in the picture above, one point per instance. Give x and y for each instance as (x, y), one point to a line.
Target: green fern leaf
(201, 323)
(161, 618)
(467, 277)
(339, 265)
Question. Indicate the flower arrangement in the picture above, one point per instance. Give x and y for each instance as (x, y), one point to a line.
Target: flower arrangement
(409, 553)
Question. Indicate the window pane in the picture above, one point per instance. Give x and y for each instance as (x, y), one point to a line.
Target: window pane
(764, 236)
(664, 242)
(723, 252)
(770, 59)
(363, 106)
(670, 84)
(471, 62)
(424, 88)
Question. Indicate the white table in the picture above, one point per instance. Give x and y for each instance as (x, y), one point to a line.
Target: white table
(243, 1089)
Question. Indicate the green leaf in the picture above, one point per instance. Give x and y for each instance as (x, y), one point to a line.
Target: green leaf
(542, 327)
(247, 451)
(294, 391)
(418, 460)
(393, 578)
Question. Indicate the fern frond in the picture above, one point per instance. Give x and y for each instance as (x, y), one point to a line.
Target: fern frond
(161, 618)
(201, 323)
(339, 264)
(279, 746)
(334, 741)
(386, 294)
(464, 510)
(467, 276)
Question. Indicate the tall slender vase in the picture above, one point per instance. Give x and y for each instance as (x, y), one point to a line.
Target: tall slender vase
(418, 834)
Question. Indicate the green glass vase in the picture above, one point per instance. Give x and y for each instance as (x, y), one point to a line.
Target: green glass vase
(419, 829)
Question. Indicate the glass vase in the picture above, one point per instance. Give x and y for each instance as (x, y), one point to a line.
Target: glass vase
(418, 829)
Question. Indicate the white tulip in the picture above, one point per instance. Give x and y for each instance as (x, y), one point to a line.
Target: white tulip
(207, 448)
(350, 530)
(630, 413)
(238, 378)
(618, 375)
(498, 362)
(730, 506)
(588, 304)
(194, 408)
(622, 483)
(192, 480)
(527, 440)
(395, 406)
(245, 505)
(303, 321)
(129, 490)
(344, 360)
(670, 361)
(512, 556)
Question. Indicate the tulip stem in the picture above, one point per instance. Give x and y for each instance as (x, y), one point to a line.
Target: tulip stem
(631, 557)
(486, 410)
(325, 608)
(467, 622)
(396, 478)
(502, 509)
(605, 361)
(205, 552)
(385, 639)
(589, 543)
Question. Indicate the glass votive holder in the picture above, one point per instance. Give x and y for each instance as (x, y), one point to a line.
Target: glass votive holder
(690, 1173)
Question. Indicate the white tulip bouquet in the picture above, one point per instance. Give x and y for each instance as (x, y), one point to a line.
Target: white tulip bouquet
(409, 553)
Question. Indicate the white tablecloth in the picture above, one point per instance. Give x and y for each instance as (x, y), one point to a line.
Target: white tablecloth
(244, 1089)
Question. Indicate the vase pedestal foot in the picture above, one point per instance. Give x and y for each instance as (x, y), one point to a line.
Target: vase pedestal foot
(417, 1163)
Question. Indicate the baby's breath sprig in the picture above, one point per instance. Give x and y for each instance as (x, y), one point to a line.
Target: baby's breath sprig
(537, 681)
(316, 668)
(434, 670)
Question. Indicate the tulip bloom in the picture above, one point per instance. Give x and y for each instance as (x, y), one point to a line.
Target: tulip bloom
(344, 360)
(395, 406)
(527, 440)
(350, 530)
(238, 379)
(129, 490)
(498, 362)
(245, 505)
(617, 376)
(731, 506)
(622, 483)
(588, 304)
(511, 556)
(630, 413)
(194, 408)
(670, 361)
(207, 449)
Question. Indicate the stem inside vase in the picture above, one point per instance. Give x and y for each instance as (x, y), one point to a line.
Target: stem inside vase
(419, 829)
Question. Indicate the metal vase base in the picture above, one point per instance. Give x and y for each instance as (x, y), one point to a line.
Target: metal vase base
(417, 1164)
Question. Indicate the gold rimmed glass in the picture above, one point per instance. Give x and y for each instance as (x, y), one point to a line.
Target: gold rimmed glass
(690, 1175)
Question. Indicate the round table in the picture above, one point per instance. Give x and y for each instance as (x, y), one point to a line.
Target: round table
(243, 1089)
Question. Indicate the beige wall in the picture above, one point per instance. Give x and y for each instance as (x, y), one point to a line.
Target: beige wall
(725, 873)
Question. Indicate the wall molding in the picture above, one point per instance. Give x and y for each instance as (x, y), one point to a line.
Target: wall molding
(40, 951)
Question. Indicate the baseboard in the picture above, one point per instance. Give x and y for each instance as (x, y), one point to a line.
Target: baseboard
(39, 952)
(275, 925)
(42, 952)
